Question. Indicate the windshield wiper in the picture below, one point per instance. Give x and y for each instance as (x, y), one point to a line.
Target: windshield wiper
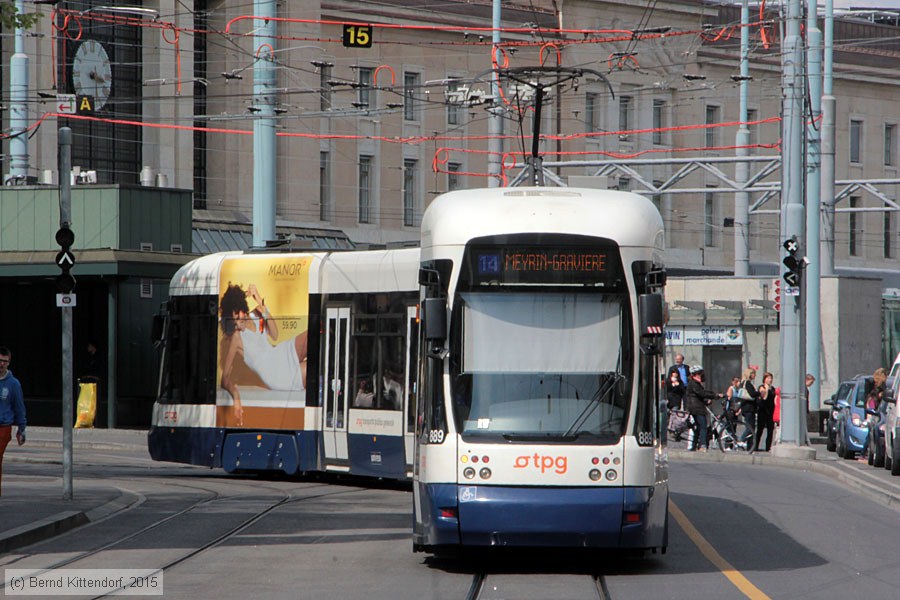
(593, 403)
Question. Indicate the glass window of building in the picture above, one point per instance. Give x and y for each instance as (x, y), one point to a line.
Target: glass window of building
(887, 237)
(365, 189)
(856, 130)
(659, 121)
(411, 84)
(453, 108)
(712, 133)
(591, 116)
(366, 95)
(626, 107)
(853, 238)
(453, 180)
(410, 194)
(889, 130)
(709, 207)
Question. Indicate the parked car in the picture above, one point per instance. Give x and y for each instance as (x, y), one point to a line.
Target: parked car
(837, 400)
(852, 434)
(892, 423)
(877, 419)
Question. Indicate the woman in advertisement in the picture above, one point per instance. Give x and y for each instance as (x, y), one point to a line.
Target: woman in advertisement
(254, 337)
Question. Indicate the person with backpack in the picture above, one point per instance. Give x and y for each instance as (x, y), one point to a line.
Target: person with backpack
(697, 399)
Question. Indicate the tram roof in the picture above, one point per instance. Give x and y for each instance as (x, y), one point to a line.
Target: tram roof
(337, 272)
(456, 217)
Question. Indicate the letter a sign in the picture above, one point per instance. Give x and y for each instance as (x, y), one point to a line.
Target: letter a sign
(85, 105)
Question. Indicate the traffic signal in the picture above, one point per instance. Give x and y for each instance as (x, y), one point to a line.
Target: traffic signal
(776, 292)
(794, 263)
(65, 282)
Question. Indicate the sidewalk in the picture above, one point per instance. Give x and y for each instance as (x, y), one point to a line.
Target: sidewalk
(33, 508)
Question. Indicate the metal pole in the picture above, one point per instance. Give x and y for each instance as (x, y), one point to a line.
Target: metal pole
(264, 161)
(742, 169)
(112, 303)
(813, 202)
(65, 219)
(495, 124)
(792, 221)
(828, 119)
(826, 245)
(18, 107)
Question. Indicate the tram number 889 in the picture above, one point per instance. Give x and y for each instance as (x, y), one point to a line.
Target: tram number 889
(436, 436)
(645, 438)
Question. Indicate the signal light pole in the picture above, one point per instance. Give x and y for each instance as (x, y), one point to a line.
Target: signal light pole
(65, 238)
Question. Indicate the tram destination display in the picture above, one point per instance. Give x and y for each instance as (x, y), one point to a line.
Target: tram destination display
(544, 265)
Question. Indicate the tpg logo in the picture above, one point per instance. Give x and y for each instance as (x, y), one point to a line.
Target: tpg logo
(559, 464)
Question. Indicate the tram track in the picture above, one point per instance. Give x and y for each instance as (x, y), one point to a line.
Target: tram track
(481, 588)
(218, 495)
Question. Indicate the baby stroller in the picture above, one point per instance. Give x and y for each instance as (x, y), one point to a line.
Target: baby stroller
(723, 428)
(680, 424)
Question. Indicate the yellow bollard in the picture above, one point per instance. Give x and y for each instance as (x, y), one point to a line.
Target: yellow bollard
(87, 405)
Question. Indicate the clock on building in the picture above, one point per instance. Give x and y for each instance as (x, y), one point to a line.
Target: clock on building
(92, 73)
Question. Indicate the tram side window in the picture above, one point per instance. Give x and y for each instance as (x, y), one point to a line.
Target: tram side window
(189, 367)
(377, 359)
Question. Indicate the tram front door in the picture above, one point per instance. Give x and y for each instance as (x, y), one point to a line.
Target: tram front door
(334, 413)
(411, 384)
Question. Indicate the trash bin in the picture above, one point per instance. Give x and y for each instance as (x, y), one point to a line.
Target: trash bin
(87, 404)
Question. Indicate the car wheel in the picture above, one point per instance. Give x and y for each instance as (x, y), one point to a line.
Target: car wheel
(887, 454)
(839, 442)
(895, 458)
(878, 458)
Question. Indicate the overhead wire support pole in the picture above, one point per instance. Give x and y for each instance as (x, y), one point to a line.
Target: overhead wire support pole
(742, 169)
(826, 244)
(793, 405)
(813, 200)
(264, 162)
(495, 124)
(18, 107)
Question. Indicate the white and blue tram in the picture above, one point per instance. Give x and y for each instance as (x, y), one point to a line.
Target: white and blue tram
(290, 361)
(538, 418)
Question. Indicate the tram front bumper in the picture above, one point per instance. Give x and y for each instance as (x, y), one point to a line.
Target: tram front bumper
(584, 517)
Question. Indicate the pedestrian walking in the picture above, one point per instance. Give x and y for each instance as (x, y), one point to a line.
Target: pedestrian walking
(12, 407)
(675, 392)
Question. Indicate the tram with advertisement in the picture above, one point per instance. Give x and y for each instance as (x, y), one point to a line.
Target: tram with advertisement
(538, 411)
(290, 361)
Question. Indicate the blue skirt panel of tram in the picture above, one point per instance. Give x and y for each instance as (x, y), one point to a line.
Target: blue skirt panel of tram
(377, 455)
(288, 451)
(189, 445)
(595, 517)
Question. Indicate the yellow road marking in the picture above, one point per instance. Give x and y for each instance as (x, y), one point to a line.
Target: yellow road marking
(733, 575)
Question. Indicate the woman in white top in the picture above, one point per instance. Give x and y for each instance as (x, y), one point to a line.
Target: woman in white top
(281, 366)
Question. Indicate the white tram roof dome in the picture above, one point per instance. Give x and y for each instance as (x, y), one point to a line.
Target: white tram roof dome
(456, 217)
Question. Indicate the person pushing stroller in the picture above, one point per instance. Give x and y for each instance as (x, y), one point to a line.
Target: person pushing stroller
(697, 399)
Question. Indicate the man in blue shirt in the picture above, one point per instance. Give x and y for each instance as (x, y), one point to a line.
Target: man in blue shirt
(12, 407)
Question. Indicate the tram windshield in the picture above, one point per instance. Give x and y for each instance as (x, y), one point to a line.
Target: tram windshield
(543, 366)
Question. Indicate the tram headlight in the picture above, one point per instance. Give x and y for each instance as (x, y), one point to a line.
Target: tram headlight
(485, 473)
(469, 473)
(611, 475)
(594, 474)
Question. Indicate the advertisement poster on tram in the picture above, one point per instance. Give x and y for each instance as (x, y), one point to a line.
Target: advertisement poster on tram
(262, 342)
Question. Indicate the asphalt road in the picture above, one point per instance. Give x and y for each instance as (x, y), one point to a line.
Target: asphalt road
(737, 531)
